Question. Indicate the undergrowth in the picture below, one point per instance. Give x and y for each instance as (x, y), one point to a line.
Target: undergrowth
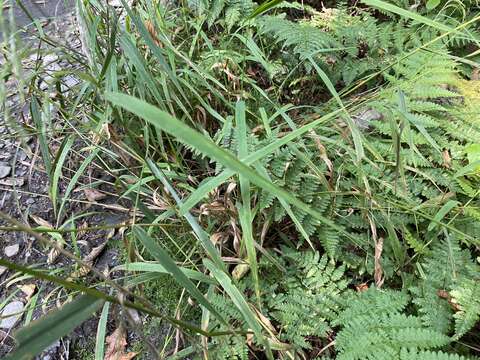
(325, 160)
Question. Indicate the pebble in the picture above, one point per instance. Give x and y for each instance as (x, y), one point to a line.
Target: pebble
(2, 270)
(12, 250)
(11, 314)
(4, 170)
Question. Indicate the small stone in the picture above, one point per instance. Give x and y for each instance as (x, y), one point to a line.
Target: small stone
(11, 314)
(12, 250)
(4, 170)
(2, 270)
(30, 201)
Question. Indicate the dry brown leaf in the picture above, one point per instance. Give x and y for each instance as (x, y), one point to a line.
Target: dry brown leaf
(378, 271)
(323, 153)
(378, 274)
(116, 344)
(218, 237)
(94, 195)
(361, 287)
(28, 290)
(153, 33)
(447, 160)
(81, 229)
(41, 222)
(54, 253)
(89, 259)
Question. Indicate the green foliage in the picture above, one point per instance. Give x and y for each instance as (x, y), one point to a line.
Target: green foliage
(374, 327)
(164, 89)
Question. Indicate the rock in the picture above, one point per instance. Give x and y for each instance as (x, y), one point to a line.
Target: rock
(12, 250)
(2, 270)
(11, 314)
(4, 170)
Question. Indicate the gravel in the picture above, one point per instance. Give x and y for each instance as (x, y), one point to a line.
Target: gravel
(11, 314)
(4, 170)
(12, 250)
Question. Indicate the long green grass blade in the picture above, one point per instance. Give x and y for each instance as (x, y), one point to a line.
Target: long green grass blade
(159, 268)
(408, 14)
(101, 332)
(162, 256)
(57, 169)
(35, 337)
(245, 212)
(356, 135)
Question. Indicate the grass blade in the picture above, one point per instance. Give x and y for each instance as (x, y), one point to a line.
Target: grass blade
(57, 169)
(161, 255)
(101, 332)
(409, 14)
(356, 135)
(159, 268)
(35, 337)
(245, 212)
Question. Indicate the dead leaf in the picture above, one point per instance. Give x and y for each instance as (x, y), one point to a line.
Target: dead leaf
(323, 153)
(378, 271)
(94, 195)
(54, 253)
(447, 160)
(28, 290)
(378, 274)
(89, 259)
(81, 229)
(41, 222)
(116, 344)
(476, 74)
(153, 33)
(361, 287)
(444, 294)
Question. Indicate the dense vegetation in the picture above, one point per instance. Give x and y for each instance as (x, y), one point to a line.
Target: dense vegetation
(308, 174)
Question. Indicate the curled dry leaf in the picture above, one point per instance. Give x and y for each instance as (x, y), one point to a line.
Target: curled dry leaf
(323, 153)
(41, 222)
(28, 290)
(94, 195)
(447, 159)
(54, 253)
(378, 275)
(116, 344)
(218, 237)
(89, 259)
(361, 287)
(81, 229)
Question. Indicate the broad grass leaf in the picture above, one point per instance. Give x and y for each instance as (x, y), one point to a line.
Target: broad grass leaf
(40, 334)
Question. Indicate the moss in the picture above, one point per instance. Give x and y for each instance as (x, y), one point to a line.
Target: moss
(83, 350)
